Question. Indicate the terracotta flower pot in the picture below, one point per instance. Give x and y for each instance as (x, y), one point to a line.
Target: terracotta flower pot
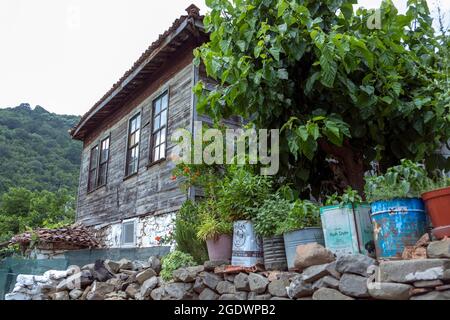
(437, 203)
(220, 249)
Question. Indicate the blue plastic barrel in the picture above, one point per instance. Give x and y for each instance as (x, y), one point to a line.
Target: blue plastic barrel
(397, 223)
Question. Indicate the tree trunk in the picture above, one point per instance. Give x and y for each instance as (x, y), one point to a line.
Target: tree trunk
(351, 162)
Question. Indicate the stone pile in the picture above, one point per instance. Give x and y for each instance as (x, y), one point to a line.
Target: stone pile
(319, 275)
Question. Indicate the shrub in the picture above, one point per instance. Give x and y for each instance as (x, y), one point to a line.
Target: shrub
(185, 231)
(174, 261)
(303, 214)
(270, 214)
(407, 180)
(349, 196)
(213, 224)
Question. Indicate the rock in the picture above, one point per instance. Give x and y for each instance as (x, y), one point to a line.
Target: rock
(354, 263)
(132, 289)
(353, 285)
(25, 279)
(55, 274)
(211, 265)
(439, 249)
(329, 294)
(279, 298)
(157, 293)
(257, 283)
(199, 286)
(75, 294)
(277, 288)
(119, 295)
(326, 282)
(408, 271)
(62, 295)
(241, 282)
(443, 288)
(17, 296)
(260, 297)
(112, 266)
(79, 280)
(298, 288)
(116, 282)
(85, 293)
(148, 286)
(211, 280)
(311, 254)
(140, 265)
(224, 287)
(88, 267)
(208, 294)
(414, 253)
(100, 272)
(178, 290)
(434, 295)
(314, 273)
(99, 290)
(427, 283)
(331, 268)
(187, 274)
(155, 264)
(389, 291)
(142, 276)
(241, 295)
(125, 264)
(228, 296)
(418, 291)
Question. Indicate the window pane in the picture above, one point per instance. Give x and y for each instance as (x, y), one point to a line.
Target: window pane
(163, 135)
(164, 101)
(128, 233)
(156, 154)
(132, 139)
(138, 121)
(102, 174)
(158, 138)
(157, 106)
(156, 123)
(94, 157)
(162, 149)
(105, 151)
(163, 118)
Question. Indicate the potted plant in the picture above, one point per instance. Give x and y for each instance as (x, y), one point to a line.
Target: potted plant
(266, 221)
(215, 230)
(346, 224)
(397, 211)
(240, 192)
(300, 226)
(437, 203)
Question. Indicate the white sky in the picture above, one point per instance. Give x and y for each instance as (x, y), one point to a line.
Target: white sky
(66, 54)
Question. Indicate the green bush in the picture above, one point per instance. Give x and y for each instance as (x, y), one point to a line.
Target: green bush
(185, 231)
(270, 214)
(407, 180)
(349, 196)
(303, 214)
(213, 224)
(174, 261)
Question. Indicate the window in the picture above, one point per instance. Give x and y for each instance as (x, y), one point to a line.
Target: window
(92, 180)
(128, 233)
(133, 145)
(103, 162)
(159, 128)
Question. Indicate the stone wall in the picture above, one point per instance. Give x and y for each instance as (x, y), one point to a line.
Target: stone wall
(320, 276)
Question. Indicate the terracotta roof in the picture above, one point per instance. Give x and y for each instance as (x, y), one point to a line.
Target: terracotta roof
(75, 235)
(192, 16)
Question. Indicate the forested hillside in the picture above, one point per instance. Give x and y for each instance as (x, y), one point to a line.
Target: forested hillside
(36, 151)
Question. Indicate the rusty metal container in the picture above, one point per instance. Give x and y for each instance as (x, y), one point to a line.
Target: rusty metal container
(397, 223)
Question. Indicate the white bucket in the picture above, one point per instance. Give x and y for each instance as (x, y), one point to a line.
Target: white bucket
(247, 246)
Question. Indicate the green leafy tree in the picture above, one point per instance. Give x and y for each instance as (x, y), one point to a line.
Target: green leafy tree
(337, 89)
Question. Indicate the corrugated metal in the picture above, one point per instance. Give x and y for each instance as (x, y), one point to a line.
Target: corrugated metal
(397, 223)
(274, 253)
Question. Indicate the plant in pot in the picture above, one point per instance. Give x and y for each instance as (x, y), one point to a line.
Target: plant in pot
(300, 226)
(397, 211)
(437, 203)
(240, 193)
(346, 224)
(215, 230)
(266, 221)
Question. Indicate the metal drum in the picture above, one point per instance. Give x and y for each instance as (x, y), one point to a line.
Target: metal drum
(274, 254)
(296, 238)
(347, 229)
(397, 223)
(247, 247)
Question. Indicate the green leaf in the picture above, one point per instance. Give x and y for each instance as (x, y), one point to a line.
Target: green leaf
(310, 82)
(282, 74)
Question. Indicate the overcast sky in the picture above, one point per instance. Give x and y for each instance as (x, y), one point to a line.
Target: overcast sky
(66, 54)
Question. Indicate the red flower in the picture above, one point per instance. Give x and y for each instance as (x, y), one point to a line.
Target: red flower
(186, 170)
(158, 238)
(173, 178)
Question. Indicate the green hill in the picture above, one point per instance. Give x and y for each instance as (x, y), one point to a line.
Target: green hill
(36, 151)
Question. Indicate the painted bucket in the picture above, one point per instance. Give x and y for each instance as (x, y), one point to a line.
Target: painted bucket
(348, 230)
(296, 238)
(397, 223)
(247, 246)
(274, 254)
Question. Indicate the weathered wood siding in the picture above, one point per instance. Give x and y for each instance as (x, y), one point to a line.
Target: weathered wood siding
(151, 191)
